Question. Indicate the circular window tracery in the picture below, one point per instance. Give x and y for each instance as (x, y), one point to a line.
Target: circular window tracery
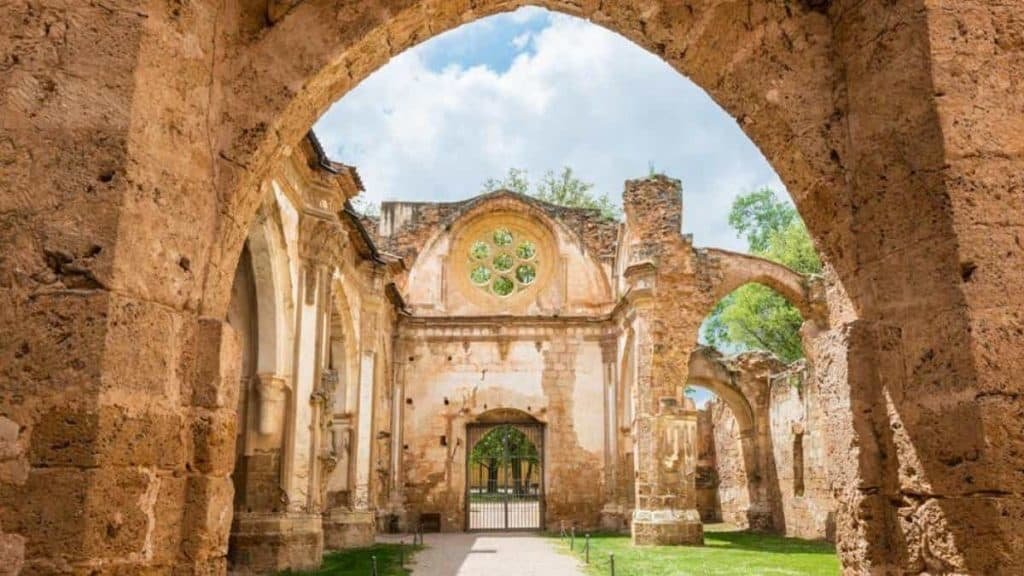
(480, 275)
(480, 250)
(526, 250)
(503, 262)
(502, 237)
(526, 274)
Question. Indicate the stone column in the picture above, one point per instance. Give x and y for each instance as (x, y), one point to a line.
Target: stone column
(665, 432)
(612, 514)
(291, 535)
(396, 501)
(665, 426)
(271, 402)
(349, 520)
(364, 431)
(355, 525)
(342, 527)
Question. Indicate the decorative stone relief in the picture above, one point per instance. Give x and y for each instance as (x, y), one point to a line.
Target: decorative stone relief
(321, 241)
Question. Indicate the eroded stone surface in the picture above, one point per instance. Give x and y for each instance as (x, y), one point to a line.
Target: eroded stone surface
(138, 142)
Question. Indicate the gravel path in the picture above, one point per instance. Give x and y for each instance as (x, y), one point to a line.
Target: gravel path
(481, 554)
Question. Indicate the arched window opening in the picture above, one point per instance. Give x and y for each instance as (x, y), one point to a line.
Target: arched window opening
(722, 477)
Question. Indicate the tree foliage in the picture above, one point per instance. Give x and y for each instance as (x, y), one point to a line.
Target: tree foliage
(755, 316)
(506, 446)
(759, 215)
(491, 449)
(563, 189)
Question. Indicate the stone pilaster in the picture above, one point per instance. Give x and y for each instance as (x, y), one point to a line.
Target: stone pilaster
(665, 426)
(613, 514)
(666, 511)
(288, 532)
(396, 491)
(271, 402)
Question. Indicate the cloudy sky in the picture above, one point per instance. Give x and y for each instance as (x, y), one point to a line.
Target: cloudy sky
(538, 91)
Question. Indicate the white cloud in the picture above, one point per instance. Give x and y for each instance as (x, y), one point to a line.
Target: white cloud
(521, 41)
(583, 97)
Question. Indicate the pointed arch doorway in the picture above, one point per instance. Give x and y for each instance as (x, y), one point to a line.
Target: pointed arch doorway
(505, 472)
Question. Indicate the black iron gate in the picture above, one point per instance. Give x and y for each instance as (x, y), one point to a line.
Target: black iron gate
(505, 476)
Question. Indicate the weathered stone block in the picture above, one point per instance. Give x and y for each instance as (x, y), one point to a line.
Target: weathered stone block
(77, 515)
(169, 517)
(12, 553)
(58, 344)
(110, 436)
(217, 365)
(971, 535)
(262, 473)
(269, 543)
(207, 517)
(13, 463)
(212, 441)
(137, 374)
(666, 527)
(344, 529)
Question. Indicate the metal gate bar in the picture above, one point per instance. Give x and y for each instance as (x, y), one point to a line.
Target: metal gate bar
(505, 476)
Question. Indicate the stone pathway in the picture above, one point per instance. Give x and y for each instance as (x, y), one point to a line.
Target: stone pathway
(477, 554)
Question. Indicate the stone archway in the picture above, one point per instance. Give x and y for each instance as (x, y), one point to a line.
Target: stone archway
(750, 410)
(504, 472)
(133, 136)
(273, 101)
(727, 271)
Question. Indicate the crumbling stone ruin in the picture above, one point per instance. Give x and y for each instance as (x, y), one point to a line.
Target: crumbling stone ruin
(158, 414)
(779, 412)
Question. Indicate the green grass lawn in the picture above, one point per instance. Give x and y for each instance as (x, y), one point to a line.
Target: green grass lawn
(725, 553)
(359, 562)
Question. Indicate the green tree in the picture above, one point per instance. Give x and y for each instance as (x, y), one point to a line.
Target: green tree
(758, 215)
(755, 316)
(517, 180)
(563, 189)
(505, 446)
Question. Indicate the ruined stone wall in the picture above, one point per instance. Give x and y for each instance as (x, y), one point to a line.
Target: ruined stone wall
(569, 275)
(798, 427)
(307, 300)
(405, 227)
(454, 375)
(767, 478)
(662, 299)
(133, 140)
(733, 481)
(707, 474)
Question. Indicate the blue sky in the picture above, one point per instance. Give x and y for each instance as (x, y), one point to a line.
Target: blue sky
(491, 42)
(538, 91)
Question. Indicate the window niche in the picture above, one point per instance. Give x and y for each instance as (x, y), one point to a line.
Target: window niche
(798, 463)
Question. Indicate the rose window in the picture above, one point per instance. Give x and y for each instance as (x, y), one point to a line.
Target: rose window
(502, 262)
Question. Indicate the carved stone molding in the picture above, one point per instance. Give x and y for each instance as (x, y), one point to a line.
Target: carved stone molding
(322, 241)
(609, 349)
